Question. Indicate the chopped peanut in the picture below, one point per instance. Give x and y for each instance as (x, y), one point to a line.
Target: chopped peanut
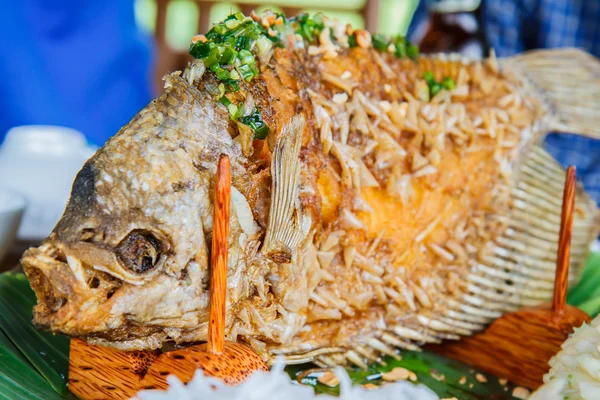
(329, 379)
(437, 376)
(198, 38)
(363, 38)
(369, 386)
(480, 378)
(397, 374)
(521, 393)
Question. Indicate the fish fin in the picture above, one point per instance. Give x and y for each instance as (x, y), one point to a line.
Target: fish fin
(520, 268)
(284, 231)
(570, 80)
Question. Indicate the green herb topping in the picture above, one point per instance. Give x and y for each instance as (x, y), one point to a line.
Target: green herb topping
(227, 49)
(230, 50)
(255, 121)
(434, 86)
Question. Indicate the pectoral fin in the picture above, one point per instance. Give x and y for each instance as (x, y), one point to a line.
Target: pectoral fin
(284, 231)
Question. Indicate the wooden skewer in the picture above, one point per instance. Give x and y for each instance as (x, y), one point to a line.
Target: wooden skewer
(564, 243)
(220, 245)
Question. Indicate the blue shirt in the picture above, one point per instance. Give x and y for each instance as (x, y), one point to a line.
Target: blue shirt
(514, 26)
(77, 63)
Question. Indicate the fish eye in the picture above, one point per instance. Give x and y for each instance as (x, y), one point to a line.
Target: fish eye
(139, 251)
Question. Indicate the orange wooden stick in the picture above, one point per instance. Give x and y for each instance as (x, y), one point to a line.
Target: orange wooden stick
(564, 243)
(220, 245)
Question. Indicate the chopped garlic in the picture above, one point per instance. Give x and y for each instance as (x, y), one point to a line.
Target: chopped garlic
(340, 98)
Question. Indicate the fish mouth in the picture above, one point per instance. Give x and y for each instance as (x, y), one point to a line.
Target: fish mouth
(65, 289)
(78, 300)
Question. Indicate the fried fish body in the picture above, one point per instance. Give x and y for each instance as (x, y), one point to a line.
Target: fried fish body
(369, 219)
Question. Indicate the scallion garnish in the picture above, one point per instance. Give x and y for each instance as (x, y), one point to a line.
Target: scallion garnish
(434, 86)
(231, 47)
(380, 42)
(255, 121)
(227, 49)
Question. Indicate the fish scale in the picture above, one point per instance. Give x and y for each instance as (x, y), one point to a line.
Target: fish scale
(371, 218)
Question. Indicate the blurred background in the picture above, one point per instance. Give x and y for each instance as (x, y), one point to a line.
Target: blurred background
(74, 72)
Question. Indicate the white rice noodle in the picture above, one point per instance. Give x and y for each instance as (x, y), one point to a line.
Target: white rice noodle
(277, 385)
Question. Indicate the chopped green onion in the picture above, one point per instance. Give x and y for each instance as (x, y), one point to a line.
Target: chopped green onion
(412, 51)
(434, 86)
(225, 101)
(448, 83)
(429, 78)
(228, 53)
(200, 50)
(400, 44)
(380, 42)
(233, 110)
(255, 121)
(246, 72)
(352, 41)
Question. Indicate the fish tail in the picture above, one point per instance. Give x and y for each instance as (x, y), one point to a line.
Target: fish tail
(569, 81)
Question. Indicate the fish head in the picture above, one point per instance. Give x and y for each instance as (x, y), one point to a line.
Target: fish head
(129, 257)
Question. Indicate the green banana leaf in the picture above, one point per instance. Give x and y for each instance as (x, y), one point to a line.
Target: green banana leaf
(447, 378)
(586, 294)
(28, 352)
(34, 364)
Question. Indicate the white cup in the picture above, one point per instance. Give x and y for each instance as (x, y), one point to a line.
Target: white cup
(40, 162)
(12, 206)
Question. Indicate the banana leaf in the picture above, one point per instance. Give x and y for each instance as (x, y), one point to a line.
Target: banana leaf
(586, 294)
(39, 353)
(18, 377)
(447, 378)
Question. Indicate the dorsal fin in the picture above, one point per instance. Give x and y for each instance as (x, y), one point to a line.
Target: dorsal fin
(284, 231)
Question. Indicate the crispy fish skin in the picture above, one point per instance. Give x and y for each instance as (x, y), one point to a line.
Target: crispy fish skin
(368, 220)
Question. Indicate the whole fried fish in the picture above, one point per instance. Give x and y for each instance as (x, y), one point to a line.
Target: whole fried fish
(378, 213)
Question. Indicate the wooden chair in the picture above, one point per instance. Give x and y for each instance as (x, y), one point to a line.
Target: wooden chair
(168, 59)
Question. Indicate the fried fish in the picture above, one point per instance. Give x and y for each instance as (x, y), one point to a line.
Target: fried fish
(395, 200)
